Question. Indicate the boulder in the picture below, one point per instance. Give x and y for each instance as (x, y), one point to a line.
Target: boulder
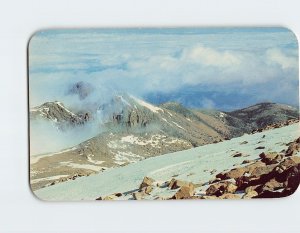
(270, 158)
(148, 189)
(111, 197)
(250, 194)
(147, 181)
(293, 180)
(185, 192)
(246, 161)
(237, 154)
(175, 184)
(138, 195)
(230, 188)
(232, 174)
(272, 185)
(261, 170)
(220, 188)
(287, 163)
(249, 168)
(293, 148)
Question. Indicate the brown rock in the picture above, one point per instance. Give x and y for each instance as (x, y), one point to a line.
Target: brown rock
(185, 192)
(252, 188)
(232, 174)
(229, 196)
(249, 168)
(147, 181)
(175, 184)
(138, 195)
(293, 148)
(263, 170)
(270, 158)
(238, 154)
(288, 162)
(148, 189)
(230, 188)
(220, 188)
(246, 161)
(250, 194)
(272, 185)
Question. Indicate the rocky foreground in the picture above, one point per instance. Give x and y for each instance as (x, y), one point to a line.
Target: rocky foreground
(271, 175)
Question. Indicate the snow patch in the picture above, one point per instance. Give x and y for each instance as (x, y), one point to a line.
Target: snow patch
(147, 105)
(34, 181)
(82, 166)
(177, 125)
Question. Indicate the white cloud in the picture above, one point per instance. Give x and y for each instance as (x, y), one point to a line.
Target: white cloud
(285, 61)
(211, 57)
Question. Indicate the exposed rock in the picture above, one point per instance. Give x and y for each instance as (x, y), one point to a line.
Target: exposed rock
(230, 188)
(148, 189)
(238, 154)
(262, 170)
(270, 158)
(174, 184)
(220, 188)
(110, 197)
(253, 188)
(138, 195)
(246, 161)
(229, 196)
(253, 166)
(184, 192)
(293, 148)
(147, 181)
(232, 174)
(209, 197)
(272, 185)
(250, 194)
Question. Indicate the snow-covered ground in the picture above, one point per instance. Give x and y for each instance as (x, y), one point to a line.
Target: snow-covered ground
(193, 165)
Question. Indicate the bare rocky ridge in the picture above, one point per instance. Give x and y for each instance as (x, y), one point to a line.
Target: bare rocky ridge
(135, 130)
(57, 113)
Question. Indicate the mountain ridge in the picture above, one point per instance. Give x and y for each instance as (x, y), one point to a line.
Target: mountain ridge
(133, 130)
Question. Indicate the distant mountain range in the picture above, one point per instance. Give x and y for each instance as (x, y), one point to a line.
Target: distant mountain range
(132, 130)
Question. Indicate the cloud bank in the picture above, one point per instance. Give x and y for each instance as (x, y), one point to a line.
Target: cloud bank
(259, 64)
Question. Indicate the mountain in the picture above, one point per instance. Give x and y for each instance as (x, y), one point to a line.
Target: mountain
(132, 130)
(57, 113)
(261, 115)
(207, 167)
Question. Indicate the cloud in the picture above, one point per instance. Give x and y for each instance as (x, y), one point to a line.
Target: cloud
(277, 56)
(210, 57)
(143, 63)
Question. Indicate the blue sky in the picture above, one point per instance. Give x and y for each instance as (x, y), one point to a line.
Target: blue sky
(224, 68)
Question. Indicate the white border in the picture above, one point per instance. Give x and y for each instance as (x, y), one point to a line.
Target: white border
(20, 211)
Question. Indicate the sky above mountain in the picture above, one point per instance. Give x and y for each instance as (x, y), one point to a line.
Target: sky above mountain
(224, 68)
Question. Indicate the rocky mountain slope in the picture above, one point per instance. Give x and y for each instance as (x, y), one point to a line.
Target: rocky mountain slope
(263, 164)
(132, 130)
(58, 114)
